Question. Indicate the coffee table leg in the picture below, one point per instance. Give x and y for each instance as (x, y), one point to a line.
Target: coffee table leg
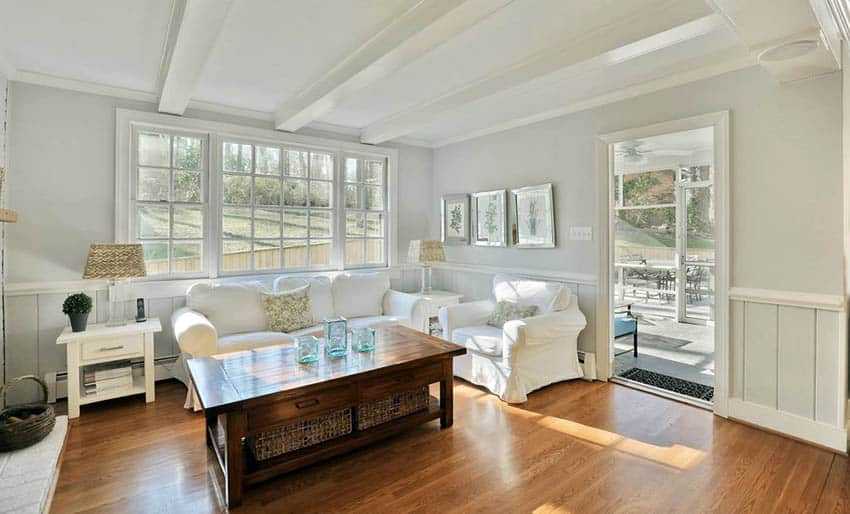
(447, 395)
(235, 457)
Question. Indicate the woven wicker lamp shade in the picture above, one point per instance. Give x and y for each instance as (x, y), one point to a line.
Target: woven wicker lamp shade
(114, 261)
(425, 251)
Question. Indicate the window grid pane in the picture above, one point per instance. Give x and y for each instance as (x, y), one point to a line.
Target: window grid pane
(364, 197)
(170, 201)
(279, 204)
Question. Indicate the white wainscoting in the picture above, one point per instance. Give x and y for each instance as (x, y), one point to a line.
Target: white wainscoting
(475, 283)
(34, 319)
(788, 363)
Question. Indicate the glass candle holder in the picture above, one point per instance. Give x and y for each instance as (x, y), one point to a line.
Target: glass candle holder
(363, 339)
(336, 337)
(307, 349)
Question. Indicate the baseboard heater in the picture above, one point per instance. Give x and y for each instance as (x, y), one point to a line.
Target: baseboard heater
(588, 364)
(53, 379)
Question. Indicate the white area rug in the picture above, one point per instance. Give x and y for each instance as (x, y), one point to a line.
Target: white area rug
(26, 476)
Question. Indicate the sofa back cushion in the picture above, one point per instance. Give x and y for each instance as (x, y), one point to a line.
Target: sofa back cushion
(321, 298)
(231, 308)
(546, 296)
(360, 294)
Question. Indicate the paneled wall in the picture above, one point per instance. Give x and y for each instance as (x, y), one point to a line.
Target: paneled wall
(34, 320)
(3, 96)
(476, 282)
(788, 363)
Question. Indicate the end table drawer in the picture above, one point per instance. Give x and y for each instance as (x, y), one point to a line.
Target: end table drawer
(307, 405)
(402, 381)
(113, 347)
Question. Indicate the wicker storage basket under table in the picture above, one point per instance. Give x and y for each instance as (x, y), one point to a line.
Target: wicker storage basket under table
(374, 413)
(302, 434)
(27, 424)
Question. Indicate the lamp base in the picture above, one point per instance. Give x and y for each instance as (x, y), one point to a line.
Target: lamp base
(116, 307)
(426, 280)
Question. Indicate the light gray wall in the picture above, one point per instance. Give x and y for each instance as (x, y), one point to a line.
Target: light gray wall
(62, 162)
(786, 177)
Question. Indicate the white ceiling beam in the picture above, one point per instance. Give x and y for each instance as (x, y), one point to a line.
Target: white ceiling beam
(603, 46)
(785, 35)
(679, 75)
(419, 30)
(194, 29)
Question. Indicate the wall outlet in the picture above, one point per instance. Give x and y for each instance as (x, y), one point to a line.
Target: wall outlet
(581, 233)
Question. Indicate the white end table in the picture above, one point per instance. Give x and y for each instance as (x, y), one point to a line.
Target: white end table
(99, 344)
(434, 300)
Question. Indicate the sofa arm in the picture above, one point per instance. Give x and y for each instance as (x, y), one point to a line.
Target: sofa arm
(195, 334)
(470, 314)
(405, 306)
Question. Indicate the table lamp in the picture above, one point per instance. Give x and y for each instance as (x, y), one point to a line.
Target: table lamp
(426, 252)
(115, 262)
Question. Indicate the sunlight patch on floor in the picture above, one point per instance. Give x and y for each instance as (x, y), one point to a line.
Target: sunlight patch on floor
(675, 456)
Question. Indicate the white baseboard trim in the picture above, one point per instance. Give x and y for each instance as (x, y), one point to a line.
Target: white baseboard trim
(827, 302)
(795, 426)
(560, 276)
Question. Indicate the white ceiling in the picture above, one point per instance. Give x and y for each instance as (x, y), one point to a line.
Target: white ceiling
(428, 71)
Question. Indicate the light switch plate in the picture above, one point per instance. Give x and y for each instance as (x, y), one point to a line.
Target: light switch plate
(581, 233)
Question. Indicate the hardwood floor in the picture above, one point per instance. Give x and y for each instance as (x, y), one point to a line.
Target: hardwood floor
(573, 447)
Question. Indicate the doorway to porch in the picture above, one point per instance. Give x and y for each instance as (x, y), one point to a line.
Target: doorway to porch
(663, 259)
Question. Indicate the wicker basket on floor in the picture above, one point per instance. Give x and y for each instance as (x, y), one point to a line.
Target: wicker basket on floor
(302, 434)
(381, 411)
(27, 424)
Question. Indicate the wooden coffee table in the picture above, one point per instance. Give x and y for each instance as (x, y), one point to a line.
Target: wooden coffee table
(250, 392)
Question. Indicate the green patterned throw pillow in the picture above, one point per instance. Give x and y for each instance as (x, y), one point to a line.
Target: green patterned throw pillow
(507, 311)
(289, 310)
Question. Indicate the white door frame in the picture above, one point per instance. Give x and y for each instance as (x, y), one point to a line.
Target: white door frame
(605, 329)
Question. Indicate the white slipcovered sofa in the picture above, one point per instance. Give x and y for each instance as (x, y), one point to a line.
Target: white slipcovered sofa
(229, 317)
(525, 354)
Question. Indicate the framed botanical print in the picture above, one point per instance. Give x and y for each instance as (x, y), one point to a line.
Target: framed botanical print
(489, 218)
(455, 213)
(534, 217)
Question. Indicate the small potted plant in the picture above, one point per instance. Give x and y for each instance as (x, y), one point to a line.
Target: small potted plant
(77, 307)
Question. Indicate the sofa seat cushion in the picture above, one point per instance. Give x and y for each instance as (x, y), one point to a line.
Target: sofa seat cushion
(231, 308)
(484, 339)
(359, 295)
(251, 341)
(376, 321)
(367, 321)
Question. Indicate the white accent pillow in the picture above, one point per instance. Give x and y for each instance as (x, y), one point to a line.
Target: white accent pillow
(321, 298)
(231, 308)
(360, 294)
(546, 296)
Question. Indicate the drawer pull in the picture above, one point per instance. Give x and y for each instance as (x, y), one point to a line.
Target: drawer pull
(307, 403)
(110, 348)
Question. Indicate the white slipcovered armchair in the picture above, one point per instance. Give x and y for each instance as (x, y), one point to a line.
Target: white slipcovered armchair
(525, 354)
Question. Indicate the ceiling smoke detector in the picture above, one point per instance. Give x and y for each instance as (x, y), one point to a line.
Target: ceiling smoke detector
(790, 50)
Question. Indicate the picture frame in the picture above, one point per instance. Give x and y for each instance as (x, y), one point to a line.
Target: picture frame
(533, 217)
(490, 218)
(455, 219)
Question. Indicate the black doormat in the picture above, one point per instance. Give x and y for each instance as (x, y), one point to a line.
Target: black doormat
(677, 385)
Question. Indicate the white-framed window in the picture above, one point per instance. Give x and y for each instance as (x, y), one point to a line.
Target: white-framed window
(364, 194)
(170, 205)
(278, 207)
(210, 199)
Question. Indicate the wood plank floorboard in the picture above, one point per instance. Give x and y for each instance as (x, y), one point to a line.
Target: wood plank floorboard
(574, 447)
